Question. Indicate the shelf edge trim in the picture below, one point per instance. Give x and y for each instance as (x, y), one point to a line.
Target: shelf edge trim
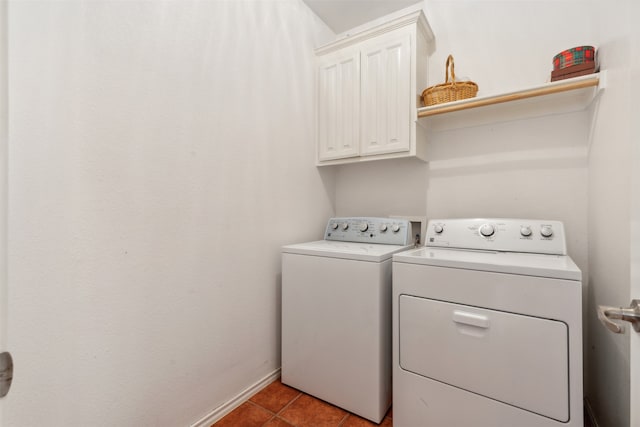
(514, 96)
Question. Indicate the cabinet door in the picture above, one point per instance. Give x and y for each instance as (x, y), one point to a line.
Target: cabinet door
(338, 129)
(386, 97)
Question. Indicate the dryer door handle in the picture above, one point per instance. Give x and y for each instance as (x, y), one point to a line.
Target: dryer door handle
(473, 319)
(630, 314)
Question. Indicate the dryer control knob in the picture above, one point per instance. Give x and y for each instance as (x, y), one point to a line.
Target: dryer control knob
(525, 231)
(487, 230)
(335, 225)
(438, 228)
(546, 231)
(395, 228)
(364, 226)
(383, 227)
(345, 226)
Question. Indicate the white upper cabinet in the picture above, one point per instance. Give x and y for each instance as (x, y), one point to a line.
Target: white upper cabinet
(386, 97)
(338, 106)
(369, 85)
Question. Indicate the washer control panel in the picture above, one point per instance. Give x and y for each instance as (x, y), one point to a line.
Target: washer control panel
(387, 231)
(498, 234)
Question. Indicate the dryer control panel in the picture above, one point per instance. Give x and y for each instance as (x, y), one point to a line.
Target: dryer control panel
(498, 234)
(387, 231)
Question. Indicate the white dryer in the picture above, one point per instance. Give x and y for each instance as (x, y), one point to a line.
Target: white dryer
(336, 313)
(487, 327)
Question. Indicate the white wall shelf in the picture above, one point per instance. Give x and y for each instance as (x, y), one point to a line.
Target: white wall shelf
(562, 96)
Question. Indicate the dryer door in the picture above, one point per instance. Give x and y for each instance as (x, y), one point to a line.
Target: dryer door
(518, 360)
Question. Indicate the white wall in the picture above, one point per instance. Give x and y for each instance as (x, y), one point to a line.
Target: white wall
(609, 203)
(536, 168)
(531, 168)
(506, 44)
(155, 147)
(634, 390)
(555, 167)
(160, 154)
(383, 188)
(3, 185)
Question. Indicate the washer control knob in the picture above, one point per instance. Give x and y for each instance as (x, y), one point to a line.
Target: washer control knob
(335, 225)
(438, 228)
(383, 227)
(364, 226)
(345, 226)
(525, 231)
(395, 228)
(487, 230)
(546, 231)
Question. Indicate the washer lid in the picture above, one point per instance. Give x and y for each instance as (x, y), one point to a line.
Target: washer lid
(346, 250)
(551, 266)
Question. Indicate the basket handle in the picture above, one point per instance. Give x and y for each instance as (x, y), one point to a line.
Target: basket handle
(453, 74)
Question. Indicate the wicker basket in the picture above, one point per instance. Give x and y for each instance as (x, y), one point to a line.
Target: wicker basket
(450, 90)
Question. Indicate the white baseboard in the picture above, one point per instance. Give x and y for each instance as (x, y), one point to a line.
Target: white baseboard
(236, 401)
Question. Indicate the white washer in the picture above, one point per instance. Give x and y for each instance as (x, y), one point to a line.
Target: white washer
(487, 327)
(336, 313)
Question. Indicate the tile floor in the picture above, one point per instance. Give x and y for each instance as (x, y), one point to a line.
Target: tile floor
(278, 405)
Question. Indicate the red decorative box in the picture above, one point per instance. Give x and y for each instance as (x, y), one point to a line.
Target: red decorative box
(575, 71)
(574, 56)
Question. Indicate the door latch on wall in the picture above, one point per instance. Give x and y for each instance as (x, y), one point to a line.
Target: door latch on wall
(630, 314)
(6, 373)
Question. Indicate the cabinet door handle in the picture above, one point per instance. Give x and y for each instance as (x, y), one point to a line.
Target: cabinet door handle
(630, 314)
(471, 319)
